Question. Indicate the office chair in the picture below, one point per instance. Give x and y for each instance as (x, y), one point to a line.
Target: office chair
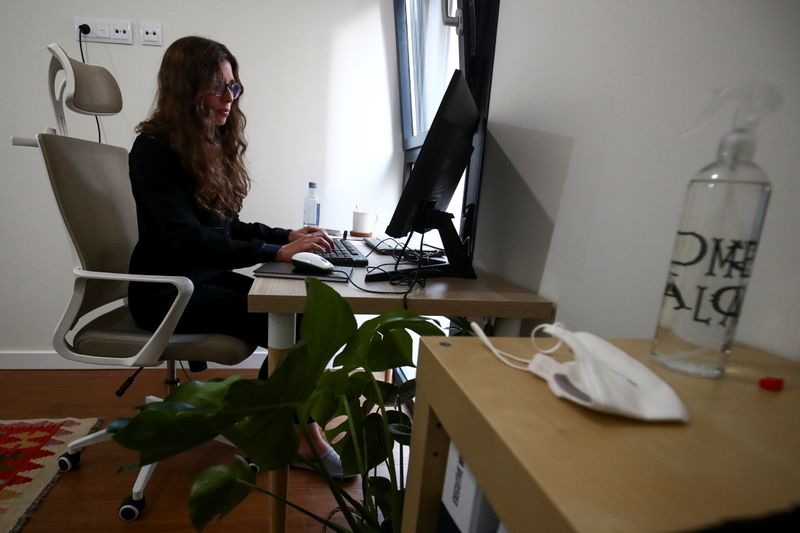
(92, 189)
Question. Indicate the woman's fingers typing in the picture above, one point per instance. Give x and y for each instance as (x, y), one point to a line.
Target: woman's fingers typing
(316, 242)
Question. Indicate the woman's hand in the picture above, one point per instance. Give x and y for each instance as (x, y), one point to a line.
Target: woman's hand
(309, 239)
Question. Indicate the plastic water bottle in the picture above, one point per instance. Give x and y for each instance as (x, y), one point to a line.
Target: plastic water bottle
(311, 206)
(717, 240)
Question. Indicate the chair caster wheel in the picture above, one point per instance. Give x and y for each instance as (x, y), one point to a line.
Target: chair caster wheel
(131, 509)
(250, 464)
(69, 461)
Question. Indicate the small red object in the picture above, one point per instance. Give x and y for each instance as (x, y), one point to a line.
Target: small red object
(773, 384)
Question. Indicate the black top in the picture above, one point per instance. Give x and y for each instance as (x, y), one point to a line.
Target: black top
(178, 238)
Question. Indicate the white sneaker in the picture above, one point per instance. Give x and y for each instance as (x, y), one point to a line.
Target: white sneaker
(330, 461)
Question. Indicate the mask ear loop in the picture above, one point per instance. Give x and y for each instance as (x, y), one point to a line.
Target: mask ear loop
(505, 356)
(498, 353)
(558, 327)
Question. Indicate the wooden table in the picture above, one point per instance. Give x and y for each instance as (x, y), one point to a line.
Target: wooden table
(546, 464)
(488, 295)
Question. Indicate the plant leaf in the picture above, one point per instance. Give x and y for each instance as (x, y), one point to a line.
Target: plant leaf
(217, 491)
(359, 353)
(388, 393)
(328, 321)
(401, 433)
(202, 393)
(380, 488)
(391, 349)
(164, 429)
(325, 400)
(345, 447)
(407, 391)
(270, 440)
(374, 438)
(399, 426)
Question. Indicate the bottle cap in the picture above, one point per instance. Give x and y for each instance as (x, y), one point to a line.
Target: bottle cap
(312, 184)
(770, 383)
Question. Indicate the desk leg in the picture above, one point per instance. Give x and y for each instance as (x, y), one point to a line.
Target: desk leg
(426, 468)
(281, 338)
(507, 327)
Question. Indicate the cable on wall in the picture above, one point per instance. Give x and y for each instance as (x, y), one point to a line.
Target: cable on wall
(84, 29)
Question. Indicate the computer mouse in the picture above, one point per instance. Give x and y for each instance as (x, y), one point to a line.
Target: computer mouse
(311, 263)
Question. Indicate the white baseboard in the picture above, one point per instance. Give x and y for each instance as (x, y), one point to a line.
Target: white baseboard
(50, 360)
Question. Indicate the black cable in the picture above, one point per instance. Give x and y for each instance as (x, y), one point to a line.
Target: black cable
(400, 279)
(363, 289)
(185, 373)
(421, 259)
(400, 252)
(84, 29)
(403, 250)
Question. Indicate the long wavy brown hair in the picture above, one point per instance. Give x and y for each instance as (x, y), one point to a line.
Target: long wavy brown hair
(213, 154)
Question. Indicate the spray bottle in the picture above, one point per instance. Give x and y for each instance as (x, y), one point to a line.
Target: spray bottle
(717, 240)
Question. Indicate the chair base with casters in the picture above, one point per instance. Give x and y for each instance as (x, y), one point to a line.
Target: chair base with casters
(133, 505)
(117, 327)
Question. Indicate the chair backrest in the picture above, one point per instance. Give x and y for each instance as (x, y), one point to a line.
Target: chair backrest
(90, 180)
(85, 89)
(93, 192)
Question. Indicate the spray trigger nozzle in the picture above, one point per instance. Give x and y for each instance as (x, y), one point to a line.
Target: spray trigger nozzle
(755, 98)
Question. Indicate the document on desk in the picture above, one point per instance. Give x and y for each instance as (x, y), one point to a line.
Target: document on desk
(278, 269)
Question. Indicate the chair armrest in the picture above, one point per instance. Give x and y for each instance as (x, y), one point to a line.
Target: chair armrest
(182, 283)
(150, 354)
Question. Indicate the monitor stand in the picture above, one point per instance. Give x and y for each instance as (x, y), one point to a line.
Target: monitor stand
(457, 265)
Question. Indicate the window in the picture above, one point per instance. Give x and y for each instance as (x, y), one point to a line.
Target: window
(434, 37)
(432, 55)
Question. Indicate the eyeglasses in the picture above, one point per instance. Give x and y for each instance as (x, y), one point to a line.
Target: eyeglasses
(219, 87)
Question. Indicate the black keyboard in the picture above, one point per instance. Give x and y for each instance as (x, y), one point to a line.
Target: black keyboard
(345, 253)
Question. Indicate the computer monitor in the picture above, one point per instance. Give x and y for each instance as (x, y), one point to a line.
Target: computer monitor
(434, 178)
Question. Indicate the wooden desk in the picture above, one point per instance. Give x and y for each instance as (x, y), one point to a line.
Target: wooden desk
(487, 295)
(546, 464)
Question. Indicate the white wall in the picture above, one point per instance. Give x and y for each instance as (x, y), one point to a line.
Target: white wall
(587, 166)
(321, 101)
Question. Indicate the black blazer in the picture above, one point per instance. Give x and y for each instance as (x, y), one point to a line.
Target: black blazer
(178, 238)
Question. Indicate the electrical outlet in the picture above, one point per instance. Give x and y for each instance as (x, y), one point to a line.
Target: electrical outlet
(151, 33)
(121, 31)
(105, 30)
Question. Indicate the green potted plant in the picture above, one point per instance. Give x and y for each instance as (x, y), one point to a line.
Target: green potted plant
(362, 415)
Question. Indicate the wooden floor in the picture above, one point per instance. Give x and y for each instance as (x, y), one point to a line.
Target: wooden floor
(87, 498)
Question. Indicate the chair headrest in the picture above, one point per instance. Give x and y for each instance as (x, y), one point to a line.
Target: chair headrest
(85, 89)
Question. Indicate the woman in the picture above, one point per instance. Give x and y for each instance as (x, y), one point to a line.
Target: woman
(189, 180)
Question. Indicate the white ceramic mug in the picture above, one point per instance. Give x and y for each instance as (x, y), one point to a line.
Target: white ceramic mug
(363, 223)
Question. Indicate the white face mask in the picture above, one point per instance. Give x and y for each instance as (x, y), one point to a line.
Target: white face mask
(601, 376)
